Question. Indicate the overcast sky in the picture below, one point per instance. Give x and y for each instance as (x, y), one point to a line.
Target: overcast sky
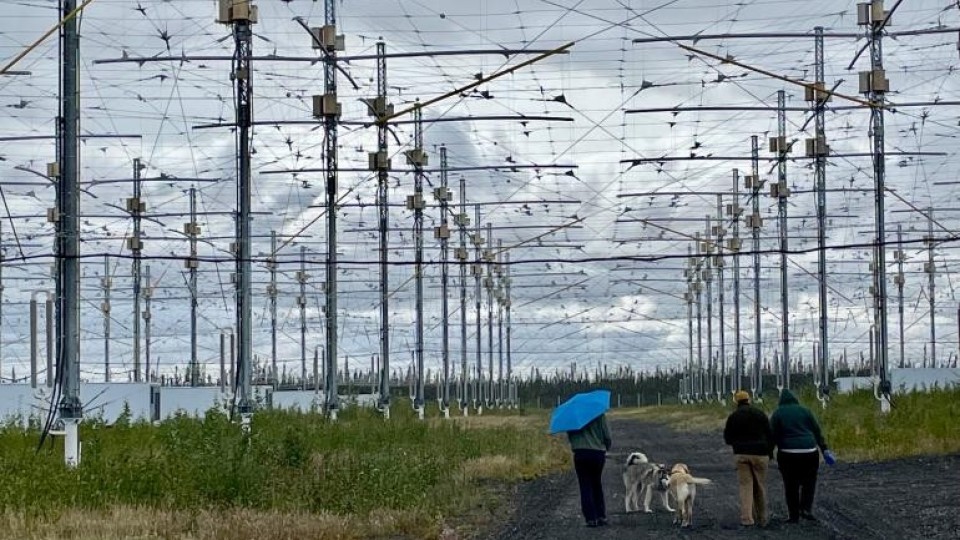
(606, 290)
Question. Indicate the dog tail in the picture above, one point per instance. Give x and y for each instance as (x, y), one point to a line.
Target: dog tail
(700, 481)
(637, 457)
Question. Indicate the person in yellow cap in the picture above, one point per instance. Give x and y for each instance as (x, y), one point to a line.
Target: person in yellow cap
(748, 432)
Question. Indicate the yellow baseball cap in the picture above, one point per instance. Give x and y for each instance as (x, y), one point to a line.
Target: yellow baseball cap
(741, 395)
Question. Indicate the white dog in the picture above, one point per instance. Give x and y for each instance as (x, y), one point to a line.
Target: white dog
(683, 488)
(640, 479)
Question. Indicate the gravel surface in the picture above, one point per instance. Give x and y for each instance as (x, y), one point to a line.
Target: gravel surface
(902, 499)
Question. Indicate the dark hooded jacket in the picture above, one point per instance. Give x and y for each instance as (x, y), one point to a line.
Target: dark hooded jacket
(748, 431)
(794, 426)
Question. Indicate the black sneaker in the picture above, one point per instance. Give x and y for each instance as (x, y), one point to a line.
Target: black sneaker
(808, 516)
(593, 523)
(602, 522)
(793, 520)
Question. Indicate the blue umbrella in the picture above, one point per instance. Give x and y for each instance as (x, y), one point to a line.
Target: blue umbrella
(579, 411)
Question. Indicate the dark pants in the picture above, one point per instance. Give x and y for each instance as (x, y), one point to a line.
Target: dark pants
(589, 467)
(799, 473)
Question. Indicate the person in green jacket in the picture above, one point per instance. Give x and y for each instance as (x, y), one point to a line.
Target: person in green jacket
(798, 438)
(590, 445)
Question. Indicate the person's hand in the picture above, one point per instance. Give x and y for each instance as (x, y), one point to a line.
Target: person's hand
(829, 458)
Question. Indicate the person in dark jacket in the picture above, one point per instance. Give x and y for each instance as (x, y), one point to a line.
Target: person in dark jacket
(590, 445)
(798, 438)
(748, 432)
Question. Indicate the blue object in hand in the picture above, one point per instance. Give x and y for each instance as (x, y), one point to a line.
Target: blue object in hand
(829, 458)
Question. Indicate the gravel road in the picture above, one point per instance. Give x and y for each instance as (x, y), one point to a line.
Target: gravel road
(902, 499)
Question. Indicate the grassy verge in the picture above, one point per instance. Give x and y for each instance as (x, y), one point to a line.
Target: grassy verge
(919, 424)
(296, 476)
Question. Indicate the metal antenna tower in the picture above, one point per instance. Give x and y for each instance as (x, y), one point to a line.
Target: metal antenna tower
(380, 162)
(52, 368)
(442, 233)
(781, 191)
(498, 295)
(734, 211)
(755, 222)
(506, 303)
(302, 303)
(136, 207)
(241, 15)
(463, 221)
(707, 275)
(1, 300)
(68, 237)
(488, 285)
(477, 270)
(698, 291)
(105, 282)
(272, 293)
(817, 147)
(719, 232)
(874, 85)
(417, 157)
(192, 229)
(147, 315)
(688, 296)
(327, 107)
(899, 280)
(931, 269)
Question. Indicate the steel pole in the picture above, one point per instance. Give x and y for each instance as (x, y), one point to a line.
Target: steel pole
(931, 269)
(477, 270)
(380, 110)
(821, 151)
(462, 222)
(241, 21)
(488, 285)
(135, 206)
(443, 234)
(900, 282)
(68, 237)
(302, 303)
(783, 192)
(720, 263)
(417, 158)
(708, 278)
(105, 309)
(755, 225)
(507, 304)
(147, 327)
(331, 398)
(272, 293)
(875, 89)
(192, 263)
(735, 213)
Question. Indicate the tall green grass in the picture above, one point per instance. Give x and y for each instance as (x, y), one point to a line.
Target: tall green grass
(918, 424)
(359, 467)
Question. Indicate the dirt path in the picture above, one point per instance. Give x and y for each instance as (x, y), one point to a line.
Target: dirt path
(911, 498)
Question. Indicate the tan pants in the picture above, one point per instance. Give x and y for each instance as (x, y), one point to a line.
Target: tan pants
(752, 478)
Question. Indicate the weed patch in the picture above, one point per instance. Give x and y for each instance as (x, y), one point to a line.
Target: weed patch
(297, 475)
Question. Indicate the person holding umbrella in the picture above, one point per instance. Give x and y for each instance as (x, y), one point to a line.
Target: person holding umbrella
(582, 418)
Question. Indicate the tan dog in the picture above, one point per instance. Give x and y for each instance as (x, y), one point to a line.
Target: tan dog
(683, 487)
